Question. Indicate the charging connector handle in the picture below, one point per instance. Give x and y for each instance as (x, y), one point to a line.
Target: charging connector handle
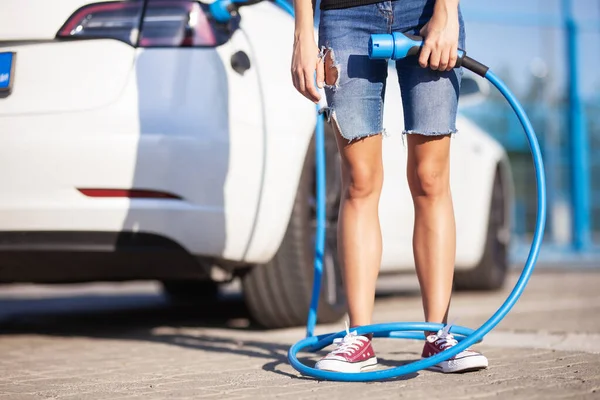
(398, 45)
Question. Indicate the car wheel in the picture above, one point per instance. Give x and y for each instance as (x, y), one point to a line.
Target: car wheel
(278, 294)
(490, 273)
(191, 291)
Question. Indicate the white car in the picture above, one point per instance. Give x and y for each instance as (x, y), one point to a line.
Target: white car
(143, 140)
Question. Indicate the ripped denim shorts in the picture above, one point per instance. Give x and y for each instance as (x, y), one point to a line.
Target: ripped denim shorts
(355, 99)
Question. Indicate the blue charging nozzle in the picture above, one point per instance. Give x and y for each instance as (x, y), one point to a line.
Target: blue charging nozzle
(223, 10)
(393, 45)
(381, 46)
(398, 45)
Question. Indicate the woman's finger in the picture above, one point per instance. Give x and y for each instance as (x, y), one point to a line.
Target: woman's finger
(300, 80)
(453, 57)
(444, 59)
(320, 73)
(295, 78)
(309, 83)
(424, 56)
(434, 59)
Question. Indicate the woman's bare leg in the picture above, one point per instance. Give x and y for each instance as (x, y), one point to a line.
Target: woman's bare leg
(359, 233)
(434, 235)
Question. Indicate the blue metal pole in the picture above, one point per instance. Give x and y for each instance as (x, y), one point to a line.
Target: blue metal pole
(579, 143)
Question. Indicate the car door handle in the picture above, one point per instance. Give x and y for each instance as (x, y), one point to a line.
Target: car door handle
(240, 62)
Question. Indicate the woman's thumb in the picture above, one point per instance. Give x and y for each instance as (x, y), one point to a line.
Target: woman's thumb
(320, 73)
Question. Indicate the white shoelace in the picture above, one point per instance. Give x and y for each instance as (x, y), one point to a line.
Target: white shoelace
(445, 338)
(348, 344)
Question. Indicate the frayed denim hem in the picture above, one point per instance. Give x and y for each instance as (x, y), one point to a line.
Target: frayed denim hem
(330, 117)
(449, 132)
(383, 133)
(434, 133)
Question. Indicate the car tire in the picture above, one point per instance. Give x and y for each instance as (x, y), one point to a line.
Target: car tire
(278, 294)
(196, 292)
(490, 273)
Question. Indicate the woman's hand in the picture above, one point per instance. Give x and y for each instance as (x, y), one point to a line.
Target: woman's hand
(439, 51)
(305, 61)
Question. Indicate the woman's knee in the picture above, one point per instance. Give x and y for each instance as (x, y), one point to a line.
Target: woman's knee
(362, 180)
(430, 180)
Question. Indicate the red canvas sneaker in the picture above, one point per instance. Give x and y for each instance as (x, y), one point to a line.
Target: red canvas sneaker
(353, 354)
(467, 360)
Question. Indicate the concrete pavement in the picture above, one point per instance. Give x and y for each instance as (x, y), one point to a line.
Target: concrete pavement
(125, 342)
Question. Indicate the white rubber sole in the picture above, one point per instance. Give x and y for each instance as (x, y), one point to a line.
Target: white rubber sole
(343, 366)
(465, 364)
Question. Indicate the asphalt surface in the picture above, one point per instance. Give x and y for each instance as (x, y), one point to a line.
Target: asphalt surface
(126, 341)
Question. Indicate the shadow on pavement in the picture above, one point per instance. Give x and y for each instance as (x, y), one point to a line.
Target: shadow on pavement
(116, 315)
(149, 317)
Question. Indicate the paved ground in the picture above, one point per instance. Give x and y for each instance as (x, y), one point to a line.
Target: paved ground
(126, 341)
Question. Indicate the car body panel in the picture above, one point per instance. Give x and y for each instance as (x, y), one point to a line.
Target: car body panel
(290, 123)
(58, 77)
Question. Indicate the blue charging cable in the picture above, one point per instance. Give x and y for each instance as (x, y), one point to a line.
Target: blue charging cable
(396, 46)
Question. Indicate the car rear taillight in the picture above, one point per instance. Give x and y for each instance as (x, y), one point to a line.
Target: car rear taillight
(162, 23)
(115, 20)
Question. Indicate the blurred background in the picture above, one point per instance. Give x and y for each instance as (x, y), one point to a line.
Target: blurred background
(533, 42)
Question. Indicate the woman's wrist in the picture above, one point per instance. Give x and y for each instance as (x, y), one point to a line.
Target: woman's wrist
(446, 7)
(304, 34)
(445, 14)
(449, 4)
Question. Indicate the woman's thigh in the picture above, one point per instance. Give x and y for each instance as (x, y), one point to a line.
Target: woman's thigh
(429, 98)
(355, 100)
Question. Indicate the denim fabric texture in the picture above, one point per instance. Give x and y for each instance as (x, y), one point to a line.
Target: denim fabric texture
(355, 101)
